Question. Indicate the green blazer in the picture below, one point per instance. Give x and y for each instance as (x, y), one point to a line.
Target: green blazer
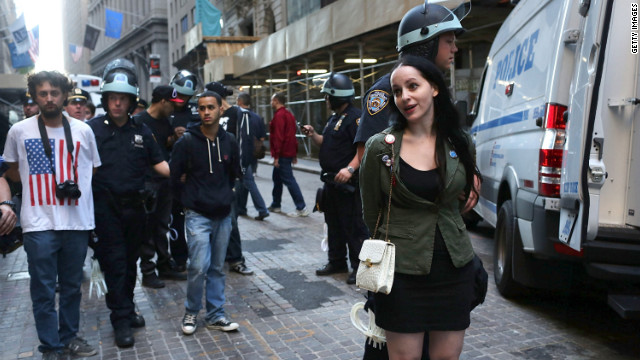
(412, 219)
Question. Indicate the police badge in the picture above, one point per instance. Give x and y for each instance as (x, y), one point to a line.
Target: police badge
(376, 101)
(138, 141)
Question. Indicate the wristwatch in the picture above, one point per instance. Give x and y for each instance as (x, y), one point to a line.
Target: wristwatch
(10, 203)
(351, 170)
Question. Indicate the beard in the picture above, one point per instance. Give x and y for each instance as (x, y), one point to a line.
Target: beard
(51, 113)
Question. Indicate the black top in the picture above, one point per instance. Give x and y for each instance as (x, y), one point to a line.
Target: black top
(375, 109)
(161, 129)
(126, 153)
(338, 148)
(424, 183)
(232, 117)
(211, 167)
(184, 117)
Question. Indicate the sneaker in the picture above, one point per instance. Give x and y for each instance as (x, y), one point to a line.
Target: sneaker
(241, 268)
(223, 324)
(79, 347)
(274, 209)
(299, 213)
(261, 217)
(189, 324)
(51, 355)
(152, 281)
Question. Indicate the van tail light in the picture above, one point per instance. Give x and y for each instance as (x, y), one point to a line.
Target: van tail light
(551, 151)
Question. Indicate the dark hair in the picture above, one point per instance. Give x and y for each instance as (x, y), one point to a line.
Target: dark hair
(446, 123)
(427, 49)
(282, 99)
(245, 98)
(54, 78)
(209, 93)
(91, 107)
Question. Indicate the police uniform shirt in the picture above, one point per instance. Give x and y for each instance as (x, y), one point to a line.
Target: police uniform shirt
(160, 128)
(338, 148)
(126, 153)
(375, 109)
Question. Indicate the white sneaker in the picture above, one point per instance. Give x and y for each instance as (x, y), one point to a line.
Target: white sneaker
(189, 324)
(299, 213)
(223, 324)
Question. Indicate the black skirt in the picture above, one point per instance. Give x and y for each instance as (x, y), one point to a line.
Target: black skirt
(440, 301)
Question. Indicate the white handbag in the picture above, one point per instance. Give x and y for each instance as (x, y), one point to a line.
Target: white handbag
(378, 257)
(377, 263)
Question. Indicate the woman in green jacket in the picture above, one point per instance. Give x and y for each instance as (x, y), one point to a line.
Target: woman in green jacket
(427, 162)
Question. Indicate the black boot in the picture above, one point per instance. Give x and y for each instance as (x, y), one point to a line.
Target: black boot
(331, 268)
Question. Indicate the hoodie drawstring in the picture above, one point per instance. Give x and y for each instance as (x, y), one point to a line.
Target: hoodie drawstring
(209, 151)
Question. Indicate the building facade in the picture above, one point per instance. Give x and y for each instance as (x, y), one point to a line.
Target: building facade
(75, 17)
(7, 17)
(144, 35)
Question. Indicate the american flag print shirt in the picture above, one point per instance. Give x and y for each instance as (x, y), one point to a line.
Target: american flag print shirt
(44, 172)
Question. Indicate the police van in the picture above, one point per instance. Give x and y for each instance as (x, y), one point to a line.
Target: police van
(90, 84)
(557, 131)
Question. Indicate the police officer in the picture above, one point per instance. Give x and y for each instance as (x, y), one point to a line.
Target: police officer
(429, 31)
(29, 107)
(77, 103)
(339, 161)
(127, 150)
(185, 84)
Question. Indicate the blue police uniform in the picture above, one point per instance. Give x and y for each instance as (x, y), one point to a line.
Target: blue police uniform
(118, 192)
(375, 109)
(341, 203)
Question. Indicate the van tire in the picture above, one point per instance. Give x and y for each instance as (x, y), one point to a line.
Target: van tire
(503, 252)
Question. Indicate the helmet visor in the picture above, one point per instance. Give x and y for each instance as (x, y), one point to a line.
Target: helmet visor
(460, 8)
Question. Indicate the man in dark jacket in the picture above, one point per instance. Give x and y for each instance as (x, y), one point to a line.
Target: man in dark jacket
(207, 157)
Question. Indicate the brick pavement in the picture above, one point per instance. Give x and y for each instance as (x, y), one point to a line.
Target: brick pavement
(286, 312)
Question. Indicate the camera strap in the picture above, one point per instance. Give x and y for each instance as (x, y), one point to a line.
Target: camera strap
(46, 144)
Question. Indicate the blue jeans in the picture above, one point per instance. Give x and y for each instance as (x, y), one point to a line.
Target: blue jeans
(248, 186)
(284, 175)
(56, 254)
(207, 241)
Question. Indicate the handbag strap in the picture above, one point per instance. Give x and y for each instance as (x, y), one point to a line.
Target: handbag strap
(386, 236)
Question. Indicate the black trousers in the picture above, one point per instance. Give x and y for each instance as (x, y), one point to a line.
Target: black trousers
(179, 250)
(119, 235)
(155, 240)
(234, 250)
(346, 228)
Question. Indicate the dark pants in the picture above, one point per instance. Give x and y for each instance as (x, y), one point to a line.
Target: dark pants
(155, 241)
(234, 250)
(178, 246)
(119, 231)
(346, 228)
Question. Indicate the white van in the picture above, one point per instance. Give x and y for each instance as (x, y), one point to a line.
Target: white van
(90, 84)
(557, 131)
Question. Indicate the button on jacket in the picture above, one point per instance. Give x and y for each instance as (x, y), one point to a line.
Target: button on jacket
(413, 220)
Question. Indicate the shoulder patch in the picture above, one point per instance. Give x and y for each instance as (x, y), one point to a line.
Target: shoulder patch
(376, 101)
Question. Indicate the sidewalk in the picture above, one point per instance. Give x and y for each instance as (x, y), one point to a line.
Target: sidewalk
(284, 310)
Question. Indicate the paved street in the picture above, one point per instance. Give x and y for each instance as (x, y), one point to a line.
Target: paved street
(286, 312)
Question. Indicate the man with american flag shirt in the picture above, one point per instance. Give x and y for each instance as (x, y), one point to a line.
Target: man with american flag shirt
(43, 152)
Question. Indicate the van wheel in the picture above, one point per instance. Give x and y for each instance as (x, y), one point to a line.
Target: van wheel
(471, 219)
(503, 252)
